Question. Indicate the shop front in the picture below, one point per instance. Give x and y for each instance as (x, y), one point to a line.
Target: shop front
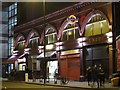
(93, 39)
(94, 50)
(50, 62)
(97, 55)
(6, 69)
(70, 66)
(10, 64)
(21, 64)
(79, 41)
(52, 67)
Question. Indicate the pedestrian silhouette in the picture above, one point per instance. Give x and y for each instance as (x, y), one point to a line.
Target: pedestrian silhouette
(95, 75)
(101, 76)
(89, 75)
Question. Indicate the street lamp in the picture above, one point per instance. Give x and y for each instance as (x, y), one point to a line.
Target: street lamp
(114, 25)
(44, 71)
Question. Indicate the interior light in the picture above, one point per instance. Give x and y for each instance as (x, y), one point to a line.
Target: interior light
(40, 47)
(49, 46)
(15, 51)
(110, 40)
(26, 49)
(59, 43)
(22, 60)
(109, 34)
(70, 52)
(59, 48)
(69, 33)
(110, 27)
(81, 39)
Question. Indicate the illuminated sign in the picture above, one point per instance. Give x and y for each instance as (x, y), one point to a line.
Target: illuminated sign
(71, 19)
(96, 39)
(70, 52)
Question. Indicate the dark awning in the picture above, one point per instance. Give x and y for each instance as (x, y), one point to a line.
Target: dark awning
(23, 55)
(47, 54)
(11, 59)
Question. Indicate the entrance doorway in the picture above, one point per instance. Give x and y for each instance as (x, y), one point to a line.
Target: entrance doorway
(52, 68)
(97, 55)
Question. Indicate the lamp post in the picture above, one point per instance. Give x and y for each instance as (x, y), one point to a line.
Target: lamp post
(114, 27)
(44, 71)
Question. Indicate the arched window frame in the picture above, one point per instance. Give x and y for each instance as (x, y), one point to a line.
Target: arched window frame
(73, 28)
(20, 42)
(50, 33)
(86, 20)
(96, 25)
(34, 39)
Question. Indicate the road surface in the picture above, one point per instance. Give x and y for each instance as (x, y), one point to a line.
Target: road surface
(16, 85)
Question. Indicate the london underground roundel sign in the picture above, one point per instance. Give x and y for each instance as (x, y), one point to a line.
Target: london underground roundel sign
(71, 19)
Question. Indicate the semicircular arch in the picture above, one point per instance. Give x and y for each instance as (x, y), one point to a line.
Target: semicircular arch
(89, 16)
(47, 28)
(18, 38)
(64, 24)
(30, 35)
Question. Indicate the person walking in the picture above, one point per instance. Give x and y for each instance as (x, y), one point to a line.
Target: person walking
(89, 75)
(95, 75)
(55, 76)
(102, 77)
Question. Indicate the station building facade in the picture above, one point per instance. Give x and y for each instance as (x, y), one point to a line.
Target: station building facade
(66, 41)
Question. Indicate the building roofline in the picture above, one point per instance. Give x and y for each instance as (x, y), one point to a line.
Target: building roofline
(54, 14)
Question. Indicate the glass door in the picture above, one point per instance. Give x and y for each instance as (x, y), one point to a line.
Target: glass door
(97, 55)
(52, 67)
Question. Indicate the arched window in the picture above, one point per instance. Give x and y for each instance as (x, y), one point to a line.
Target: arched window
(50, 36)
(21, 43)
(70, 32)
(33, 41)
(96, 25)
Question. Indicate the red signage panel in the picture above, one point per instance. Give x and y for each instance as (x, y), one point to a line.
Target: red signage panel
(118, 54)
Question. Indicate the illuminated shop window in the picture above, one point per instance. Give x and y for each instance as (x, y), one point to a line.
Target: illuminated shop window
(51, 36)
(22, 66)
(96, 25)
(70, 32)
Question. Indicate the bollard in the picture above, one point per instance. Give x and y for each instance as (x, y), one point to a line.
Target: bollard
(26, 77)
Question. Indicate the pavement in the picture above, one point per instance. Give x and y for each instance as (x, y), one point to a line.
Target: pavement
(73, 84)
